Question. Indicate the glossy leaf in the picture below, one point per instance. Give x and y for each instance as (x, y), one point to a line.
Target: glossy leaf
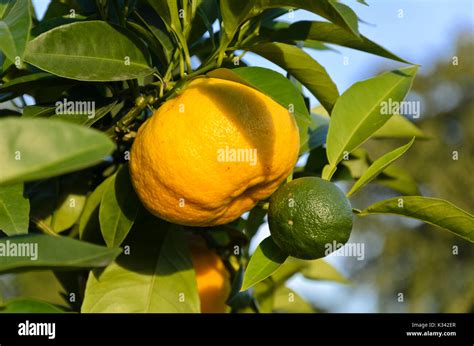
(236, 13)
(15, 30)
(398, 179)
(378, 166)
(45, 251)
(330, 33)
(69, 203)
(434, 211)
(317, 132)
(358, 112)
(168, 11)
(399, 127)
(85, 119)
(38, 111)
(89, 220)
(266, 259)
(358, 163)
(27, 82)
(4, 4)
(152, 40)
(30, 306)
(303, 67)
(118, 208)
(77, 51)
(101, 112)
(154, 277)
(14, 210)
(33, 149)
(287, 270)
(36, 284)
(255, 219)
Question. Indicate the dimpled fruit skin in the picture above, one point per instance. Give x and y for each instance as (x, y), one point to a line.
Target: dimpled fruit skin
(176, 162)
(213, 279)
(308, 213)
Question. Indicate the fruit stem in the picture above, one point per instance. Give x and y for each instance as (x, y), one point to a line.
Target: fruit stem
(169, 71)
(202, 70)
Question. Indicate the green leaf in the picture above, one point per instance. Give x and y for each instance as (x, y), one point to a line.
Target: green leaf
(317, 132)
(155, 276)
(169, 13)
(14, 210)
(288, 301)
(358, 112)
(286, 271)
(47, 251)
(26, 83)
(4, 5)
(146, 18)
(36, 284)
(273, 84)
(398, 179)
(264, 293)
(329, 33)
(15, 30)
(337, 13)
(235, 13)
(255, 219)
(206, 14)
(33, 149)
(152, 40)
(433, 211)
(266, 259)
(321, 270)
(393, 176)
(89, 220)
(30, 306)
(49, 24)
(303, 67)
(317, 45)
(378, 166)
(38, 111)
(99, 114)
(85, 119)
(358, 163)
(77, 51)
(69, 203)
(399, 127)
(118, 208)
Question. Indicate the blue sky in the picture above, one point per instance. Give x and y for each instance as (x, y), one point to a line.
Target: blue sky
(420, 31)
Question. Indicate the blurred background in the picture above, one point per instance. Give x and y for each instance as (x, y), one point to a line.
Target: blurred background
(408, 266)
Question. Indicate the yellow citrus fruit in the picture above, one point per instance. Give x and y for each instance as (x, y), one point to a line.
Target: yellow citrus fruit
(213, 279)
(211, 153)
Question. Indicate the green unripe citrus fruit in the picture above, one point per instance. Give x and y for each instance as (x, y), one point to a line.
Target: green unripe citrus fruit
(307, 216)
